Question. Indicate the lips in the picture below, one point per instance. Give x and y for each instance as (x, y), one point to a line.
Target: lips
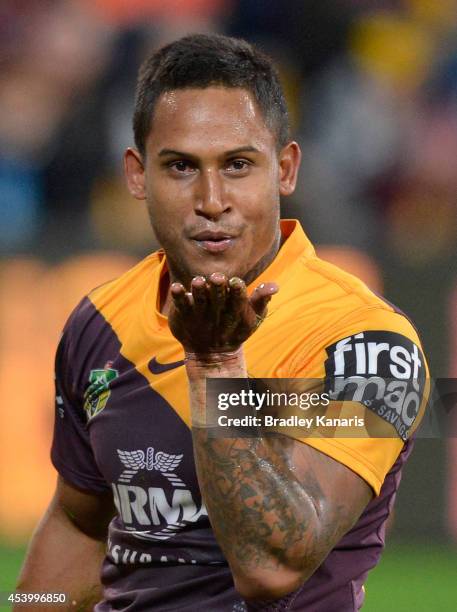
(214, 241)
(212, 235)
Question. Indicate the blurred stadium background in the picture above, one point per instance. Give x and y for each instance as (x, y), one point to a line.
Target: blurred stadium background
(372, 87)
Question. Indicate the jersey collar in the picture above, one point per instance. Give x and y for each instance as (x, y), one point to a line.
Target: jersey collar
(296, 245)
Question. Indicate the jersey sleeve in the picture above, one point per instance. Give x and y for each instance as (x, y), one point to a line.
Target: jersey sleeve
(373, 365)
(71, 451)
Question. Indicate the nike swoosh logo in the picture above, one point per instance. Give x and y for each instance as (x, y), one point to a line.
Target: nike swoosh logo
(160, 368)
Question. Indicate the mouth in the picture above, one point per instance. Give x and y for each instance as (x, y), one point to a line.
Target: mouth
(214, 242)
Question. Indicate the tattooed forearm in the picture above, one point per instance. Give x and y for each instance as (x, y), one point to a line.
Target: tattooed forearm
(262, 516)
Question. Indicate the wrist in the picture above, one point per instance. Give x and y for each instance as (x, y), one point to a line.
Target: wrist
(218, 364)
(213, 357)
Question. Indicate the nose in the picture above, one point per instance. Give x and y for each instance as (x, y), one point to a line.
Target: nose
(210, 201)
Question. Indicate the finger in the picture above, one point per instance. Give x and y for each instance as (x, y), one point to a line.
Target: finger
(218, 290)
(238, 294)
(218, 294)
(261, 296)
(199, 289)
(180, 297)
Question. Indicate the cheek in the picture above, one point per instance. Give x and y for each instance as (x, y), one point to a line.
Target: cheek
(164, 204)
(258, 202)
(163, 222)
(258, 191)
(262, 211)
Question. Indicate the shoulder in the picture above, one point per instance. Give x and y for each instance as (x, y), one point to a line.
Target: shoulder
(126, 289)
(344, 305)
(326, 317)
(114, 295)
(319, 305)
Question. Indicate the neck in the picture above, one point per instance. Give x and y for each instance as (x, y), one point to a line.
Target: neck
(264, 261)
(164, 294)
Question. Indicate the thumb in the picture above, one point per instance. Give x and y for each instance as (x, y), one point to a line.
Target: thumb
(261, 296)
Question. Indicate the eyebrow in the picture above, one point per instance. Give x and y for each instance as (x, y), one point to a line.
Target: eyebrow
(244, 149)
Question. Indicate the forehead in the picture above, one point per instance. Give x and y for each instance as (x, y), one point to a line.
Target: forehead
(211, 118)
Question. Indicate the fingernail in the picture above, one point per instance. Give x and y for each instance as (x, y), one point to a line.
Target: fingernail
(217, 277)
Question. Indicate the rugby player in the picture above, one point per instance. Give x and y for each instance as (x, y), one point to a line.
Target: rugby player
(151, 511)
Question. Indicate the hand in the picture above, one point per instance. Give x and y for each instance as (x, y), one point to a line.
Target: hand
(217, 315)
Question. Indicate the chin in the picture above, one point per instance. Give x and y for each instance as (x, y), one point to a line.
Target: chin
(185, 269)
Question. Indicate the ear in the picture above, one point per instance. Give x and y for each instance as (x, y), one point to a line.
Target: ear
(134, 172)
(289, 163)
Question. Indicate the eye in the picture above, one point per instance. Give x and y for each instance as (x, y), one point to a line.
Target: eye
(181, 166)
(238, 165)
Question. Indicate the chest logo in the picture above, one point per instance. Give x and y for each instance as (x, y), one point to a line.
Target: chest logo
(98, 391)
(159, 368)
(153, 513)
(134, 461)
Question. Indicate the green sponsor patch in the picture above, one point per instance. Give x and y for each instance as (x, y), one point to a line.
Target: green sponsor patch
(98, 391)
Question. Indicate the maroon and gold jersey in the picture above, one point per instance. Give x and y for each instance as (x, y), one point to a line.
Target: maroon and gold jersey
(123, 425)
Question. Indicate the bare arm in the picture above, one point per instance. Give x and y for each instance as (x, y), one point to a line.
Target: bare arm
(277, 506)
(67, 548)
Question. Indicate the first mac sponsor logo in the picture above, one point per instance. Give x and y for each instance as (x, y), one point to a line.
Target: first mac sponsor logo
(383, 370)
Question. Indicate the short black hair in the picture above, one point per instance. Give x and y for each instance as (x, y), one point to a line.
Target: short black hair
(205, 60)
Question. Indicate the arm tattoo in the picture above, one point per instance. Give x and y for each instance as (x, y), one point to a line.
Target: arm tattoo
(262, 516)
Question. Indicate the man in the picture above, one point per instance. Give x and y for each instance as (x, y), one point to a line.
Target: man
(297, 520)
